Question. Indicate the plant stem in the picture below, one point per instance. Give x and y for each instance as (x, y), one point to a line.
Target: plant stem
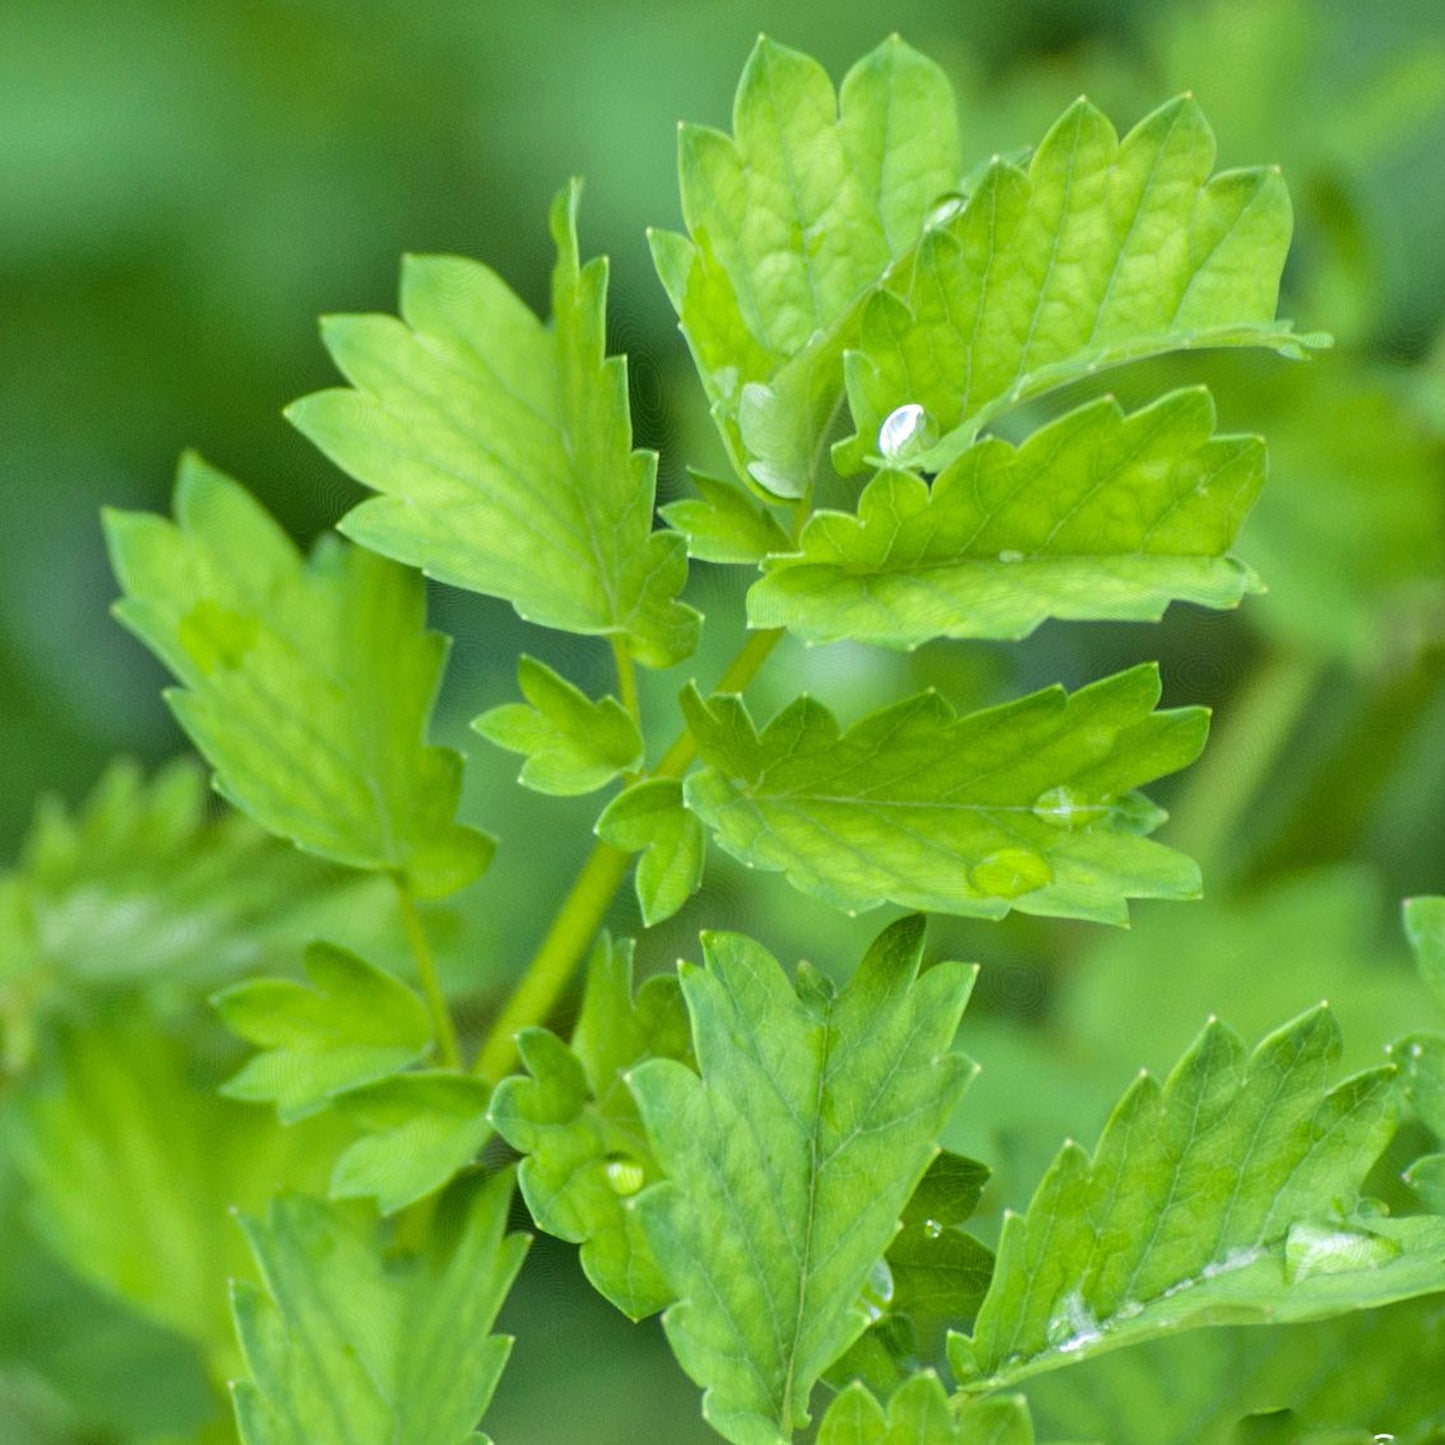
(626, 679)
(1242, 754)
(448, 1055)
(573, 929)
(586, 905)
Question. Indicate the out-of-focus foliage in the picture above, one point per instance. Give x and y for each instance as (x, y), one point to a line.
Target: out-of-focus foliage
(182, 186)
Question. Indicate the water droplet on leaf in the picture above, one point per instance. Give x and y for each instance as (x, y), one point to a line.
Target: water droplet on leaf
(1311, 1249)
(907, 431)
(625, 1174)
(1064, 808)
(944, 209)
(1010, 873)
(932, 1228)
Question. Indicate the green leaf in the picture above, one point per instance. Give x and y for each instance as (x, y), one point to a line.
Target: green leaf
(572, 744)
(577, 1125)
(345, 1345)
(354, 1025)
(725, 524)
(920, 1414)
(1096, 516)
(789, 1161)
(650, 817)
(1374, 1374)
(306, 683)
(1027, 806)
(502, 449)
(146, 887)
(793, 220)
(1101, 252)
(1425, 928)
(133, 1165)
(1224, 1196)
(422, 1129)
(1421, 1058)
(1426, 1176)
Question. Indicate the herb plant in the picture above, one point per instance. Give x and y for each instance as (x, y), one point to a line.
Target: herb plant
(899, 344)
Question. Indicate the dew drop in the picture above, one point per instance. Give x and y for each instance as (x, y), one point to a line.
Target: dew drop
(907, 431)
(1010, 873)
(1072, 1325)
(1311, 1249)
(945, 208)
(932, 1229)
(878, 1292)
(1065, 808)
(625, 1174)
(1010, 556)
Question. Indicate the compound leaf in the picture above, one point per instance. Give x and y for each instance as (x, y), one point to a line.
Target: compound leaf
(572, 744)
(306, 684)
(143, 887)
(920, 1413)
(651, 817)
(577, 1125)
(502, 449)
(354, 1025)
(1101, 252)
(1097, 515)
(422, 1129)
(793, 219)
(346, 1345)
(790, 1160)
(1228, 1195)
(1029, 805)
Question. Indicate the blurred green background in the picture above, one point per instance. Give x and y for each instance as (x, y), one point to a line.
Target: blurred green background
(184, 187)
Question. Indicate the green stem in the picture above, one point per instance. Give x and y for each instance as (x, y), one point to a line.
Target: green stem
(448, 1055)
(573, 929)
(626, 679)
(1242, 754)
(586, 905)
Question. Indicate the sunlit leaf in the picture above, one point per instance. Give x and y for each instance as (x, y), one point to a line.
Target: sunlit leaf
(789, 1161)
(345, 1345)
(306, 683)
(1101, 252)
(502, 449)
(1030, 805)
(1097, 516)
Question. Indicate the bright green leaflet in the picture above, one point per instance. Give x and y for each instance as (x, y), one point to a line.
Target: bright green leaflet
(572, 744)
(1030, 805)
(422, 1129)
(1425, 928)
(725, 524)
(790, 1160)
(133, 1166)
(920, 1413)
(793, 220)
(307, 684)
(502, 449)
(353, 1025)
(344, 1345)
(651, 817)
(1221, 1197)
(1097, 516)
(1373, 1374)
(140, 888)
(575, 1121)
(1101, 252)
